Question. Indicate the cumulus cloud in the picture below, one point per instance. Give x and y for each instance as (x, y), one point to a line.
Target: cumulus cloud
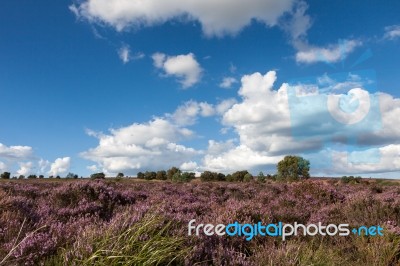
(60, 166)
(25, 168)
(217, 18)
(150, 145)
(330, 54)
(184, 67)
(392, 32)
(189, 166)
(227, 82)
(15, 152)
(188, 113)
(270, 121)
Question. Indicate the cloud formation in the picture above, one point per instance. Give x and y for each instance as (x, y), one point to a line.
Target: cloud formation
(152, 145)
(217, 18)
(270, 122)
(329, 54)
(227, 82)
(184, 67)
(15, 152)
(392, 32)
(60, 166)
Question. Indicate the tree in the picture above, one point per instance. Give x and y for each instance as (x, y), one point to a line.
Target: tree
(140, 175)
(71, 175)
(261, 177)
(238, 176)
(248, 178)
(183, 177)
(120, 175)
(150, 175)
(32, 176)
(41, 176)
(208, 176)
(21, 177)
(293, 168)
(161, 175)
(5, 175)
(98, 176)
(172, 171)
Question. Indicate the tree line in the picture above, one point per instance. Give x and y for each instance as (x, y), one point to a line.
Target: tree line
(289, 168)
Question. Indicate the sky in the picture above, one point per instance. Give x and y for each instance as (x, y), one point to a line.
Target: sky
(126, 86)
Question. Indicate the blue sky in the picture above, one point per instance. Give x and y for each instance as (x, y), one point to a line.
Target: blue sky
(119, 86)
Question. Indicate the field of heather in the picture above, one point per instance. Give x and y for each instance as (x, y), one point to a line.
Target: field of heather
(109, 222)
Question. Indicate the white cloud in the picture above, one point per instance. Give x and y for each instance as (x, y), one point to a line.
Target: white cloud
(15, 152)
(147, 146)
(224, 105)
(227, 82)
(60, 166)
(43, 165)
(124, 54)
(329, 54)
(92, 168)
(217, 18)
(184, 67)
(25, 168)
(269, 123)
(188, 113)
(388, 161)
(392, 32)
(298, 23)
(3, 167)
(189, 166)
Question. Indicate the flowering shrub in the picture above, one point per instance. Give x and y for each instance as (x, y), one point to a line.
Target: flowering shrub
(89, 222)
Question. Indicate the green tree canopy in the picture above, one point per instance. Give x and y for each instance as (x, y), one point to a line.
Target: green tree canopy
(293, 168)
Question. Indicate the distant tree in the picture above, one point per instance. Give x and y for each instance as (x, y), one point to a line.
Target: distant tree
(183, 177)
(208, 176)
(5, 175)
(32, 176)
(150, 175)
(140, 175)
(98, 176)
(229, 178)
(221, 177)
(41, 176)
(58, 177)
(248, 178)
(161, 175)
(293, 168)
(21, 177)
(120, 175)
(261, 177)
(72, 175)
(351, 179)
(51, 176)
(172, 171)
(238, 176)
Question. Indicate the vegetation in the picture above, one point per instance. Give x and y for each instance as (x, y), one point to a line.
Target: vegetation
(5, 175)
(99, 222)
(293, 168)
(95, 176)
